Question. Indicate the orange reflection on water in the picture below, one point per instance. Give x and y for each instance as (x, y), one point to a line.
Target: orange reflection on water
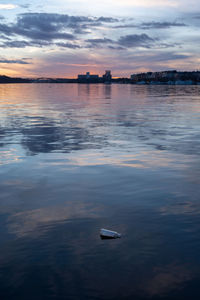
(9, 156)
(144, 159)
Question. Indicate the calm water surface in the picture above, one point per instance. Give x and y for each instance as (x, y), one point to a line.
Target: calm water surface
(75, 158)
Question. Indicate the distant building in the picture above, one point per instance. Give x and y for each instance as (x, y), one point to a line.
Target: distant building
(88, 77)
(92, 78)
(153, 77)
(107, 77)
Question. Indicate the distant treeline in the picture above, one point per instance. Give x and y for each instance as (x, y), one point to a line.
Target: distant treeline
(6, 79)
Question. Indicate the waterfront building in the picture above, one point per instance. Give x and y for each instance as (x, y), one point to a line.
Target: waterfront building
(107, 77)
(88, 77)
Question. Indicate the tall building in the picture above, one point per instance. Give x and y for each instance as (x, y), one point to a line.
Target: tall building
(107, 77)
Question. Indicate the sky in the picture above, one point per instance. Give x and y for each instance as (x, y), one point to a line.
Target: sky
(64, 38)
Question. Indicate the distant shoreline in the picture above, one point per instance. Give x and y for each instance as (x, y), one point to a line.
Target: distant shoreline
(92, 83)
(172, 77)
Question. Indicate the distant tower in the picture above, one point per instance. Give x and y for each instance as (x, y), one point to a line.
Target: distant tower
(107, 77)
(87, 75)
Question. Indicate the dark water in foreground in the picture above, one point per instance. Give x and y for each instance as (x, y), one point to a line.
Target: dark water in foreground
(75, 158)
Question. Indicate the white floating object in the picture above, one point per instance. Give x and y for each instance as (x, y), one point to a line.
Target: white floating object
(108, 234)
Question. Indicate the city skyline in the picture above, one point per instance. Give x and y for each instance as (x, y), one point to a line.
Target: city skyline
(66, 38)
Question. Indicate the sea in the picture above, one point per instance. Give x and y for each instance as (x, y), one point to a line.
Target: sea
(75, 158)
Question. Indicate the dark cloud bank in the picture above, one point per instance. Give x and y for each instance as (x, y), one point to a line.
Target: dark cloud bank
(48, 29)
(151, 25)
(44, 29)
(13, 61)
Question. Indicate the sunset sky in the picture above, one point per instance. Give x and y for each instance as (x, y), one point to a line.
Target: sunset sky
(65, 37)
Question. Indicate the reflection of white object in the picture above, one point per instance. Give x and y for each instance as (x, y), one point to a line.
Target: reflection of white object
(108, 234)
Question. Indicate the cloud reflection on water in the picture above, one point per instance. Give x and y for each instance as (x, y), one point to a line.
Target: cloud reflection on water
(36, 222)
(167, 279)
(92, 156)
(103, 121)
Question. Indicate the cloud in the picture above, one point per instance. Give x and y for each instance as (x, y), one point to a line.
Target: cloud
(167, 56)
(146, 3)
(42, 29)
(101, 41)
(42, 26)
(68, 45)
(127, 41)
(136, 40)
(158, 56)
(160, 25)
(5, 29)
(25, 5)
(125, 26)
(59, 22)
(53, 29)
(62, 30)
(23, 44)
(195, 16)
(34, 26)
(13, 61)
(151, 25)
(107, 20)
(94, 43)
(4, 37)
(116, 48)
(8, 6)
